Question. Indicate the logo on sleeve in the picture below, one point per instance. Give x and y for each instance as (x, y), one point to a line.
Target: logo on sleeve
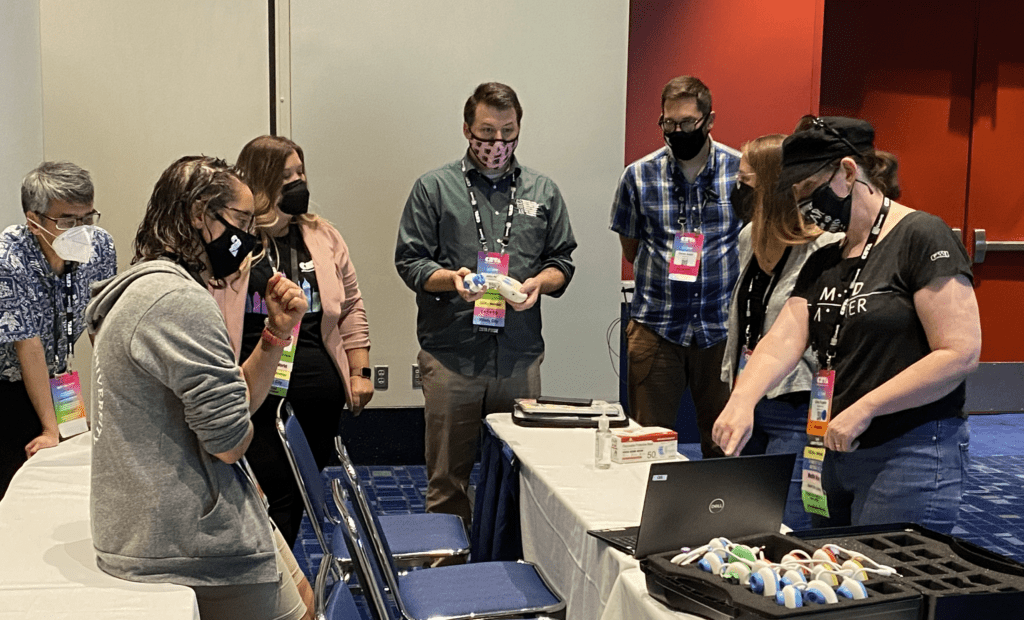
(940, 254)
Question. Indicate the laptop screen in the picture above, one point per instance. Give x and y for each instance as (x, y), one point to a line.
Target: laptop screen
(690, 502)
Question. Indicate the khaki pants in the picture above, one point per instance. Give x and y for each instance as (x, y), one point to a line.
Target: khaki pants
(660, 371)
(270, 601)
(454, 407)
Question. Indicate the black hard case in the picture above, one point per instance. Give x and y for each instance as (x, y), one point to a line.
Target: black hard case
(689, 589)
(958, 579)
(942, 578)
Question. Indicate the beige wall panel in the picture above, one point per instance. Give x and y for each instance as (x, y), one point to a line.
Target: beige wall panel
(21, 103)
(131, 85)
(377, 91)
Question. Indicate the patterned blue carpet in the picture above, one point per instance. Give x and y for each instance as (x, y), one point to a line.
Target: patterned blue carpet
(991, 515)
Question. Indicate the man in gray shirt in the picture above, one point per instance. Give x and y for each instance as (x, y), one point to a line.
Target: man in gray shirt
(483, 212)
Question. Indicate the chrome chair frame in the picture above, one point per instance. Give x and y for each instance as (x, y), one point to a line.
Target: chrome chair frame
(411, 559)
(389, 573)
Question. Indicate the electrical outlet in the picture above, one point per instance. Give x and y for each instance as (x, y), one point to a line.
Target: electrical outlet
(380, 377)
(417, 381)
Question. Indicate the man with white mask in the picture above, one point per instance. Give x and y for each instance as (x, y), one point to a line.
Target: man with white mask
(46, 268)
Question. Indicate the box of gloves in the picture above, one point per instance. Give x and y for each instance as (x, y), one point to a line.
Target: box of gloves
(649, 443)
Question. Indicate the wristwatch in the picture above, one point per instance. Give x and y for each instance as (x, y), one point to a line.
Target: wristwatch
(363, 372)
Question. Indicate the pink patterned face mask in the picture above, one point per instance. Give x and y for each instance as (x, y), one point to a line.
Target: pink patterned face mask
(494, 154)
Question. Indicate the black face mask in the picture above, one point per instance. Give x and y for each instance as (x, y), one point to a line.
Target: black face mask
(826, 210)
(685, 145)
(295, 198)
(742, 199)
(227, 251)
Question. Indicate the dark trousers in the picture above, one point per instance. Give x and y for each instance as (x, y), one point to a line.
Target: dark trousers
(454, 408)
(660, 371)
(21, 425)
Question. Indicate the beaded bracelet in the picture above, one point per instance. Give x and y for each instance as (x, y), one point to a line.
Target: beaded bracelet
(273, 339)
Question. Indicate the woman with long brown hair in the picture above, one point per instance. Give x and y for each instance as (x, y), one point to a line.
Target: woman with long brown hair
(773, 249)
(330, 364)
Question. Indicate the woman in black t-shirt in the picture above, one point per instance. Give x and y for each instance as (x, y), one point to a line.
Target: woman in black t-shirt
(331, 363)
(898, 325)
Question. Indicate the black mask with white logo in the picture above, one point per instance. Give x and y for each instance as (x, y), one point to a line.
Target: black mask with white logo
(295, 198)
(227, 251)
(826, 210)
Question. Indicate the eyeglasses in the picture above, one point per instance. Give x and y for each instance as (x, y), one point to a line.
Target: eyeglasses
(70, 221)
(245, 220)
(670, 126)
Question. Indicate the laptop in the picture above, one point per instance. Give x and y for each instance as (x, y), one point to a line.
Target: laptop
(690, 502)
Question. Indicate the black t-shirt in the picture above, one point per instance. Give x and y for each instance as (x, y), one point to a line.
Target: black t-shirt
(882, 334)
(313, 368)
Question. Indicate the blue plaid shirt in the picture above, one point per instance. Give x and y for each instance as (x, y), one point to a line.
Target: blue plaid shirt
(31, 293)
(653, 197)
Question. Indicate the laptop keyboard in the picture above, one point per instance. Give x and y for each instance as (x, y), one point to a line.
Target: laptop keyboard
(624, 538)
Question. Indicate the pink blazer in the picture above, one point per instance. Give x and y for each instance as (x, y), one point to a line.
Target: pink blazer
(344, 324)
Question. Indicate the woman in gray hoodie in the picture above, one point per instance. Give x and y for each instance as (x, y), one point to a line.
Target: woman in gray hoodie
(172, 498)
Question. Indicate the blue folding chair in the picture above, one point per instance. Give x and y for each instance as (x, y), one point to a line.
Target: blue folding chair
(436, 535)
(414, 537)
(340, 605)
(484, 590)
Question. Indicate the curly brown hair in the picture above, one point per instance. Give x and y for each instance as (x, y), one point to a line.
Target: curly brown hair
(189, 187)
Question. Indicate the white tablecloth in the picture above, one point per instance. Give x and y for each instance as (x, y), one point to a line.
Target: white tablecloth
(47, 562)
(562, 495)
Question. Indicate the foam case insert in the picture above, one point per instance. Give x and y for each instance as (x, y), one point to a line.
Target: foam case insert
(689, 589)
(957, 578)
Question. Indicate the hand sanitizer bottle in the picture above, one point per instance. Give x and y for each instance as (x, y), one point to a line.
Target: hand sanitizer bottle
(603, 444)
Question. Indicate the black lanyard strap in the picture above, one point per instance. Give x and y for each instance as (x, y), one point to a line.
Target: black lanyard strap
(755, 320)
(830, 351)
(65, 323)
(503, 241)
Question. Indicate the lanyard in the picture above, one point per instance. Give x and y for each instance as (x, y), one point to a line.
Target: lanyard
(293, 239)
(753, 335)
(503, 242)
(830, 351)
(65, 323)
(706, 194)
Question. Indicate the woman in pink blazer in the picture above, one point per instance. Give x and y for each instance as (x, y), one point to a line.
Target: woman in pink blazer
(331, 366)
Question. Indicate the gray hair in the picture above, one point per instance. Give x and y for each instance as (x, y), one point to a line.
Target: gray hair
(55, 180)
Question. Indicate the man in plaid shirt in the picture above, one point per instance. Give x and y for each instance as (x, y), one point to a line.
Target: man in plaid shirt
(677, 226)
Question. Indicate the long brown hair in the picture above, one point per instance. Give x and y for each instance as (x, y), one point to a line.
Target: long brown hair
(261, 164)
(776, 219)
(191, 186)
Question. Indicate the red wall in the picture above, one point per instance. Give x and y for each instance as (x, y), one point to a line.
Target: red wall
(942, 81)
(760, 59)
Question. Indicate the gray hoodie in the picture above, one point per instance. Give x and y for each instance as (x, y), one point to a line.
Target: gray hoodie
(167, 396)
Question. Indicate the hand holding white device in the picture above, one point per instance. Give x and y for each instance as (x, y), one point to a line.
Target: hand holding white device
(507, 287)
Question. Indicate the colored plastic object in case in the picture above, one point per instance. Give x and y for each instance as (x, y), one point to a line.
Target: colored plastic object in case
(957, 579)
(689, 589)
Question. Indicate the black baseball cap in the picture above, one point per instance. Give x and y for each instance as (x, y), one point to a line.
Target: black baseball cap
(827, 139)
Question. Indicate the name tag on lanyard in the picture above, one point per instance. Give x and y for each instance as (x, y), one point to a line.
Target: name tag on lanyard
(66, 388)
(489, 310)
(283, 374)
(686, 253)
(66, 392)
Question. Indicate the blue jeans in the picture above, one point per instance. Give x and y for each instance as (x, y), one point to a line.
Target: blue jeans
(780, 427)
(918, 477)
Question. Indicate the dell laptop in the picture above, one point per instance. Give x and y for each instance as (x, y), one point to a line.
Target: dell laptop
(690, 502)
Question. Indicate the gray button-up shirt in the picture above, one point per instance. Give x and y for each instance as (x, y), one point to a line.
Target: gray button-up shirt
(437, 231)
